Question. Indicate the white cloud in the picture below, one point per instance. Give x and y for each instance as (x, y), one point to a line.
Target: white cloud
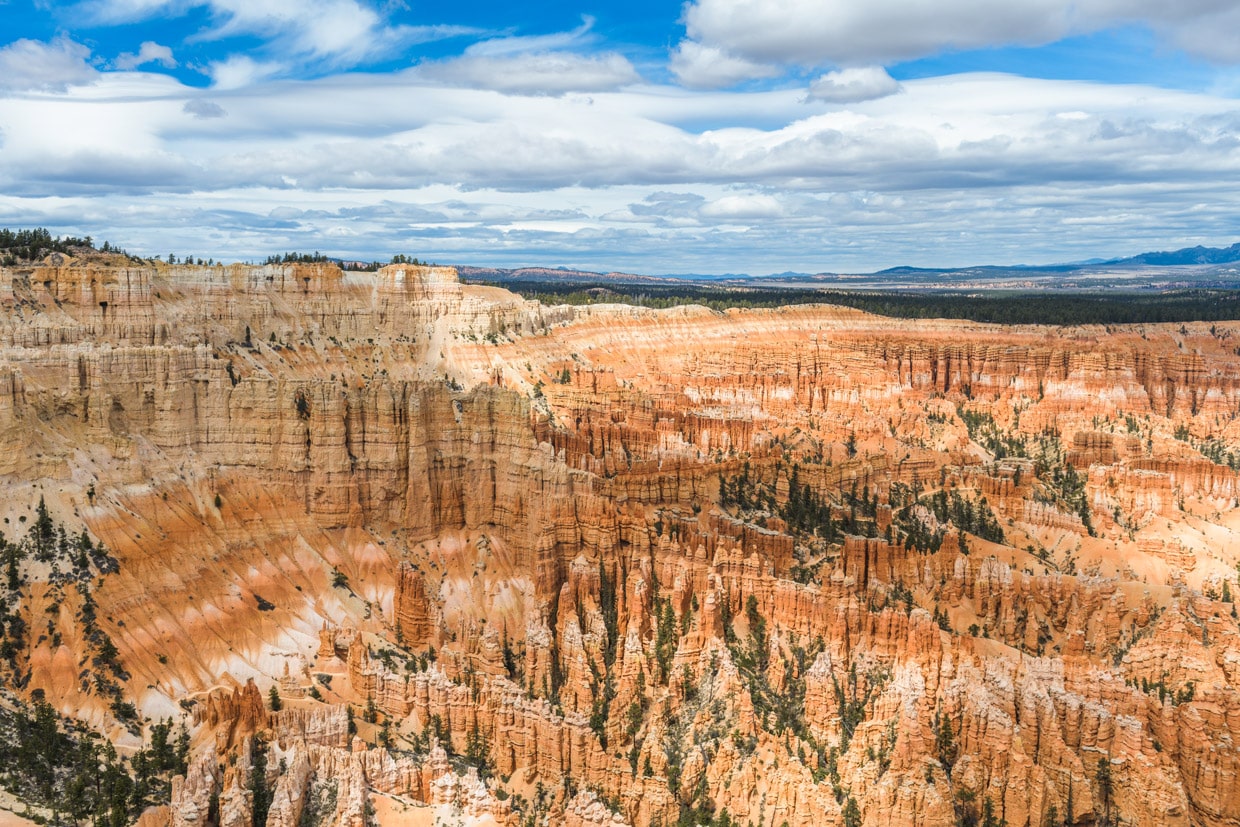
(334, 33)
(34, 66)
(813, 32)
(127, 11)
(534, 65)
(552, 73)
(149, 52)
(203, 109)
(239, 71)
(848, 33)
(706, 67)
(743, 207)
(1211, 34)
(1024, 168)
(853, 85)
(993, 129)
(327, 28)
(491, 47)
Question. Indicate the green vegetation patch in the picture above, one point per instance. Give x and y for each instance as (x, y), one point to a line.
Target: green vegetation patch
(1029, 307)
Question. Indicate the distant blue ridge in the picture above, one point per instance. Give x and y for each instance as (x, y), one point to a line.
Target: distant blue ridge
(1187, 256)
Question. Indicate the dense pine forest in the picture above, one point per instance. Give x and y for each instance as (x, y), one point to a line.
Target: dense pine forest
(1031, 307)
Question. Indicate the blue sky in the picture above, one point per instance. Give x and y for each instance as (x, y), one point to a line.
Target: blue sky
(715, 136)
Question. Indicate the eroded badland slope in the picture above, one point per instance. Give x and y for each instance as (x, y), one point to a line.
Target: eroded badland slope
(516, 564)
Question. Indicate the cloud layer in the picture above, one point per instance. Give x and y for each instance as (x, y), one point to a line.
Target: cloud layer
(770, 137)
(987, 161)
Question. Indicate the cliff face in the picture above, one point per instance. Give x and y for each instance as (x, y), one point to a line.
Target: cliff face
(607, 565)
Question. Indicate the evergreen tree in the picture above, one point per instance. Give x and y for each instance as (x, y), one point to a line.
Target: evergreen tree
(852, 813)
(1105, 787)
(944, 742)
(257, 782)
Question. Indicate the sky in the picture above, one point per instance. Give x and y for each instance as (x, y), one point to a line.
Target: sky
(714, 136)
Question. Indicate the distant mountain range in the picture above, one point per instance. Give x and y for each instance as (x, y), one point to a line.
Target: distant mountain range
(1186, 257)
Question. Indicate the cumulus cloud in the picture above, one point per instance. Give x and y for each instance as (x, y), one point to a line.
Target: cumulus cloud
(664, 203)
(853, 85)
(707, 67)
(846, 33)
(743, 207)
(1210, 34)
(553, 73)
(813, 32)
(149, 52)
(203, 109)
(239, 71)
(34, 66)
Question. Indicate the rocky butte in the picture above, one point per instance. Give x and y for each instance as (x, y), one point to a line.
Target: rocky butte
(387, 549)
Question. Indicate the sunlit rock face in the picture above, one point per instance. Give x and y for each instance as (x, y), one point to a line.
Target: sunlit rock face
(606, 565)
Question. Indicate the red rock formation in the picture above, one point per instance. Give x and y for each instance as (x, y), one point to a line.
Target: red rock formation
(502, 531)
